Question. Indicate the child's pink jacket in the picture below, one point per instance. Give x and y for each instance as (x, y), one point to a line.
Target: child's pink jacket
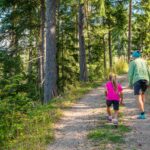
(111, 93)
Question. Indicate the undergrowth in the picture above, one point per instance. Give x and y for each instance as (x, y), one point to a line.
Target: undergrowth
(26, 124)
(34, 129)
(120, 66)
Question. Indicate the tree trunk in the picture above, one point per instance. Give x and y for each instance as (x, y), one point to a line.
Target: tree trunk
(50, 86)
(42, 44)
(105, 65)
(129, 32)
(43, 39)
(30, 64)
(62, 61)
(88, 32)
(59, 47)
(119, 50)
(83, 67)
(110, 49)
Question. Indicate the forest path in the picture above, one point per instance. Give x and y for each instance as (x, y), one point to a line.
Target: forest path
(71, 131)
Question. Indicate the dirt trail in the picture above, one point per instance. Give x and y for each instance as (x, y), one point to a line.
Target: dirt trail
(139, 137)
(71, 131)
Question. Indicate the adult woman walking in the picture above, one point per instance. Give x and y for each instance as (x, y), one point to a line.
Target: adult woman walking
(139, 78)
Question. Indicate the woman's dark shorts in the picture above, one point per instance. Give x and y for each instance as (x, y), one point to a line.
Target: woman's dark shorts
(114, 102)
(140, 87)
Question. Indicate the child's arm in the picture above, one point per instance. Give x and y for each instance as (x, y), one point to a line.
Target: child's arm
(121, 98)
(105, 93)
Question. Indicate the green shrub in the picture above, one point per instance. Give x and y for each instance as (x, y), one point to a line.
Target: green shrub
(95, 71)
(26, 124)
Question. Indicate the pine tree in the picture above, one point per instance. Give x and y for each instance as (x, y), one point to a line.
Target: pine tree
(83, 67)
(50, 85)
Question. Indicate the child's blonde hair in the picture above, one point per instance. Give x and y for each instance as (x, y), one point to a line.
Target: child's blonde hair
(113, 79)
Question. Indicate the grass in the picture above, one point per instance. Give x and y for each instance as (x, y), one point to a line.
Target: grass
(120, 66)
(36, 129)
(108, 133)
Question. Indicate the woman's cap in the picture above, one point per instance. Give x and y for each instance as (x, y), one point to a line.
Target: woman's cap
(136, 54)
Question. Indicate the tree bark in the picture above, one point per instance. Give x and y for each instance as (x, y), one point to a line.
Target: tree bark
(105, 65)
(83, 67)
(43, 39)
(59, 46)
(119, 50)
(88, 32)
(42, 44)
(110, 49)
(30, 65)
(129, 32)
(50, 86)
(62, 60)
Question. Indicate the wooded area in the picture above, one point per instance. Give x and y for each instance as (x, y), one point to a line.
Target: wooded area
(48, 46)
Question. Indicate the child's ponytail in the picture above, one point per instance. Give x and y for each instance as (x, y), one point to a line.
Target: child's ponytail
(112, 78)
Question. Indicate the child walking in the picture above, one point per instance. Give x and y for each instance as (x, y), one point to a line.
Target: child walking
(114, 96)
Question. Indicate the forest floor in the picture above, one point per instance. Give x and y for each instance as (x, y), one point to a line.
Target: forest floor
(88, 114)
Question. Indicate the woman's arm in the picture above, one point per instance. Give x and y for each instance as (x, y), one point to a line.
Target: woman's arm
(131, 73)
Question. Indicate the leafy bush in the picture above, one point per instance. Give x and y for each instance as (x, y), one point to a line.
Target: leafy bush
(25, 123)
(95, 72)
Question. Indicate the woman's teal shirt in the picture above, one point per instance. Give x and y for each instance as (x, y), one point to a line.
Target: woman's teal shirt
(138, 70)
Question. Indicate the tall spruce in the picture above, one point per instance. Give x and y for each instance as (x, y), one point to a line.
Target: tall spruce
(42, 41)
(129, 30)
(50, 85)
(83, 65)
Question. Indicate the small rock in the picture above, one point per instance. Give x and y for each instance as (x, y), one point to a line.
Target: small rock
(139, 144)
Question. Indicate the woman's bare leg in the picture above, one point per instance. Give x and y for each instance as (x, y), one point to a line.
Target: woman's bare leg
(140, 102)
(143, 98)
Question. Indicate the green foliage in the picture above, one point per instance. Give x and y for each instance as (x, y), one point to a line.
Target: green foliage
(20, 92)
(95, 72)
(141, 26)
(29, 125)
(27, 130)
(11, 65)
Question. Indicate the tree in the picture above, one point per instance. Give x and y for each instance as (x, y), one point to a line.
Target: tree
(141, 27)
(105, 64)
(129, 30)
(42, 37)
(50, 85)
(41, 50)
(83, 67)
(110, 48)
